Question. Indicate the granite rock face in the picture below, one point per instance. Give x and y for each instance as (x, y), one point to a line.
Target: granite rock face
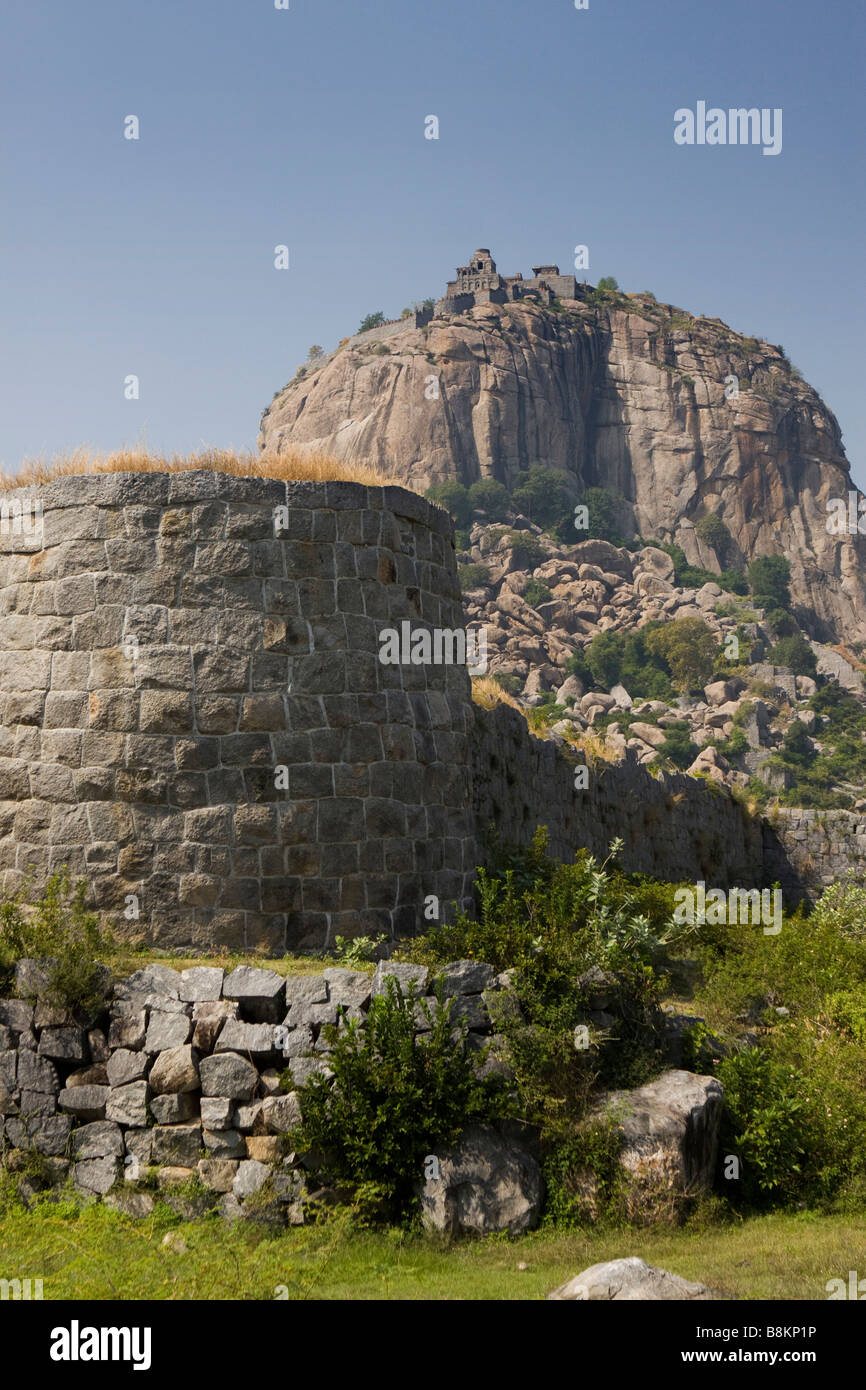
(638, 398)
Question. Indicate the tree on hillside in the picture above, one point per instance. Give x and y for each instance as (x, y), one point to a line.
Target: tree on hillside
(541, 495)
(768, 580)
(454, 497)
(487, 495)
(795, 653)
(689, 648)
(372, 321)
(714, 532)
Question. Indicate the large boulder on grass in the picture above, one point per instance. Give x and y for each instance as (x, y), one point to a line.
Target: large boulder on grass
(669, 1132)
(630, 1280)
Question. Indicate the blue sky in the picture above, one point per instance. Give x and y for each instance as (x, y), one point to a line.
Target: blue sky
(306, 127)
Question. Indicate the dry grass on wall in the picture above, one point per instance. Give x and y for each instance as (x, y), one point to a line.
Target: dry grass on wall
(294, 464)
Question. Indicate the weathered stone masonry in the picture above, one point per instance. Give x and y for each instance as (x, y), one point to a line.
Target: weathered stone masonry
(162, 654)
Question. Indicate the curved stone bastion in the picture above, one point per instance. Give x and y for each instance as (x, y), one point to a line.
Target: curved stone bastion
(196, 718)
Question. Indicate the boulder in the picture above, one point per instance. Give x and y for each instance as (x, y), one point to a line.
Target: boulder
(467, 977)
(201, 983)
(97, 1175)
(255, 1039)
(177, 1145)
(217, 1173)
(102, 1139)
(84, 1102)
(572, 688)
(621, 696)
(648, 733)
(127, 1105)
(349, 988)
(670, 1134)
(629, 1280)
(250, 1177)
(124, 1066)
(224, 1143)
(281, 1113)
(403, 973)
(216, 1112)
(33, 977)
(35, 1073)
(174, 1109)
(63, 1044)
(49, 1134)
(166, 1031)
(709, 763)
(175, 1071)
(486, 1183)
(152, 979)
(721, 692)
(228, 1074)
(128, 1031)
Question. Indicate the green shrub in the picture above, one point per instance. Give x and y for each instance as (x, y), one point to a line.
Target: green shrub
(583, 1177)
(846, 1009)
(608, 284)
(473, 576)
(841, 909)
(396, 1097)
(733, 582)
(797, 745)
(714, 532)
(512, 684)
(780, 623)
(604, 657)
(689, 648)
(577, 665)
(454, 497)
(58, 927)
(357, 950)
(763, 1123)
(678, 747)
(541, 495)
(536, 593)
(693, 577)
(488, 495)
(528, 549)
(374, 320)
(768, 580)
(795, 653)
(605, 508)
(645, 674)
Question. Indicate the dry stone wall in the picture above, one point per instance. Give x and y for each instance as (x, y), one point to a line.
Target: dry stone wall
(185, 1076)
(194, 714)
(674, 827)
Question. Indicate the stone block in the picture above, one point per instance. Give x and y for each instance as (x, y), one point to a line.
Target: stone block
(127, 1105)
(227, 1074)
(177, 1145)
(84, 1102)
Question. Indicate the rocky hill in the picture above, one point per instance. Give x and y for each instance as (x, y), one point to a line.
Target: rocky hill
(678, 415)
(573, 636)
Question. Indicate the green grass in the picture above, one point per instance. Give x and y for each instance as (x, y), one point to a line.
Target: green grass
(127, 959)
(102, 1255)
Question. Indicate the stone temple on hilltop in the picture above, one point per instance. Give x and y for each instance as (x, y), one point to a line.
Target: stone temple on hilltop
(479, 282)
